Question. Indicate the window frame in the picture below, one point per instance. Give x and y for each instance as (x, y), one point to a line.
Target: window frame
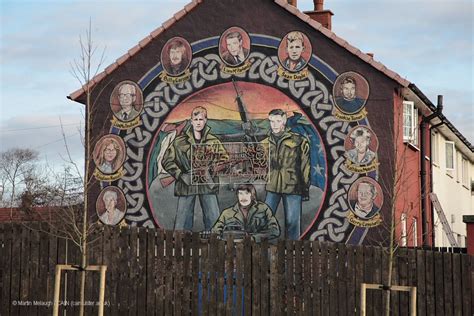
(410, 110)
(453, 155)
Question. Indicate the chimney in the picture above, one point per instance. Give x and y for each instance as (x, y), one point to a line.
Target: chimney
(292, 2)
(319, 14)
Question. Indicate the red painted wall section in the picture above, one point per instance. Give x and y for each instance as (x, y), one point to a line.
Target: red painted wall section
(407, 189)
(470, 239)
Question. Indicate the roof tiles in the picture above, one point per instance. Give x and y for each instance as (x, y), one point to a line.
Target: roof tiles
(293, 10)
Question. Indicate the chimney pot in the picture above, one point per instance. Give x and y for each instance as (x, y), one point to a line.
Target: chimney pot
(371, 54)
(318, 5)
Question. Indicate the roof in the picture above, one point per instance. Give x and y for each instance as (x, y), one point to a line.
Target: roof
(293, 10)
(16, 214)
(306, 19)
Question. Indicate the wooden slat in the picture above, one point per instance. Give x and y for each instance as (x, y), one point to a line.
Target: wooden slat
(24, 270)
(359, 275)
(239, 281)
(448, 283)
(421, 283)
(265, 278)
(280, 303)
(112, 277)
(439, 283)
(229, 270)
(467, 278)
(350, 281)
(150, 272)
(169, 273)
(457, 284)
(298, 277)
(332, 280)
(289, 278)
(160, 272)
(247, 275)
(317, 281)
(52, 260)
(36, 292)
(368, 278)
(377, 279)
(308, 284)
(255, 278)
(324, 278)
(187, 274)
(213, 255)
(403, 280)
(196, 269)
(178, 272)
(15, 271)
(394, 295)
(7, 261)
(430, 283)
(124, 271)
(141, 271)
(220, 277)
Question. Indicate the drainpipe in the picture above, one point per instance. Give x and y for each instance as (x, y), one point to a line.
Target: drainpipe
(424, 204)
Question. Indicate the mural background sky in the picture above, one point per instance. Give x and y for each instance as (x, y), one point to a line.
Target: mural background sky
(428, 42)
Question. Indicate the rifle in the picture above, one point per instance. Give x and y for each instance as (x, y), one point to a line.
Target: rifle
(247, 126)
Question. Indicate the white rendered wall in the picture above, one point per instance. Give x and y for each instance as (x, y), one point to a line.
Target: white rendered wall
(454, 195)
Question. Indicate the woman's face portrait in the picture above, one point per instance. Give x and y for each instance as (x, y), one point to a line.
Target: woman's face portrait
(110, 152)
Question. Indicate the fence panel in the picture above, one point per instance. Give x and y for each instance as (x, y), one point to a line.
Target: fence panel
(155, 272)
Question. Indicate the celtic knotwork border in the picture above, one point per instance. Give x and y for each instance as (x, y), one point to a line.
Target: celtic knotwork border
(312, 94)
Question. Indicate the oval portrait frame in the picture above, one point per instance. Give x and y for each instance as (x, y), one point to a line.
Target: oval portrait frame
(349, 144)
(246, 46)
(121, 205)
(305, 54)
(362, 93)
(98, 148)
(115, 102)
(165, 58)
(352, 196)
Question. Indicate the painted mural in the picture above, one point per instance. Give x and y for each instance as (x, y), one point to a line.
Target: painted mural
(242, 134)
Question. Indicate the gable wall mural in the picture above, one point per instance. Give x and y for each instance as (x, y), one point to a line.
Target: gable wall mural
(244, 132)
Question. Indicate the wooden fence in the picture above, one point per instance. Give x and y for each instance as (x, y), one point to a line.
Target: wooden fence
(153, 272)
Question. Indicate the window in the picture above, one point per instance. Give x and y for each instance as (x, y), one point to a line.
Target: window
(410, 123)
(415, 233)
(434, 149)
(403, 240)
(450, 155)
(465, 172)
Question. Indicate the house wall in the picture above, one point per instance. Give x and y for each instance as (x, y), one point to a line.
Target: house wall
(455, 197)
(165, 102)
(407, 179)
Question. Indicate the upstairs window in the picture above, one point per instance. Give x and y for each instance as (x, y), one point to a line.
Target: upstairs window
(410, 123)
(450, 155)
(403, 239)
(434, 148)
(465, 172)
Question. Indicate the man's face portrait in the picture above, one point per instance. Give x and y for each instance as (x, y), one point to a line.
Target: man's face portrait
(348, 90)
(127, 96)
(361, 143)
(198, 121)
(295, 49)
(176, 55)
(234, 45)
(245, 197)
(277, 123)
(365, 197)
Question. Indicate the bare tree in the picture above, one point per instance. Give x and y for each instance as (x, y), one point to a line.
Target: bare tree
(16, 167)
(84, 69)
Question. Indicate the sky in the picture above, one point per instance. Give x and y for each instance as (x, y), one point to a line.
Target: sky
(428, 42)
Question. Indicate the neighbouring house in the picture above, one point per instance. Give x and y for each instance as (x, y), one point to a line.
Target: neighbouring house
(260, 113)
(452, 158)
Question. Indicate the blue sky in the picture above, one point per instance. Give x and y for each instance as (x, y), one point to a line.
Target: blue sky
(428, 42)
